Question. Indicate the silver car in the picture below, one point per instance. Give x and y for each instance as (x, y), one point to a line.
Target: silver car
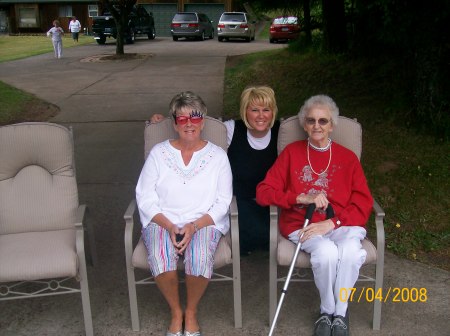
(236, 25)
(191, 25)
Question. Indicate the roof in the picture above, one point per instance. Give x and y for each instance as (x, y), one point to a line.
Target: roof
(45, 1)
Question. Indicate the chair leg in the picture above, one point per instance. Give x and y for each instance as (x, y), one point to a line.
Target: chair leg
(273, 285)
(133, 299)
(378, 287)
(92, 246)
(86, 304)
(84, 286)
(237, 295)
(273, 263)
(235, 255)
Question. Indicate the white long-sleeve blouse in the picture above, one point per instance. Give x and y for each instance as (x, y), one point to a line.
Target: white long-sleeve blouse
(185, 193)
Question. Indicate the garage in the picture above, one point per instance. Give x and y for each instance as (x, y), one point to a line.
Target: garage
(163, 14)
(212, 10)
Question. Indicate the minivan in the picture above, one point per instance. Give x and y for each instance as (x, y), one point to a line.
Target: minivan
(236, 25)
(191, 25)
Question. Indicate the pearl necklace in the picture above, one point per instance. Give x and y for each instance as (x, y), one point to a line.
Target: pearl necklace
(320, 149)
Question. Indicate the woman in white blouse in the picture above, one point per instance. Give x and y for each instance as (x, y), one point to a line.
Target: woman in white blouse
(183, 194)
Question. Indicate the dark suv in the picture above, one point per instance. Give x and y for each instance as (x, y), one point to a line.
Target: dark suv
(191, 25)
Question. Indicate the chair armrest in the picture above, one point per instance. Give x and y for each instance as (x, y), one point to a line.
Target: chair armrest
(79, 216)
(273, 227)
(379, 218)
(379, 222)
(129, 225)
(79, 236)
(80, 227)
(234, 228)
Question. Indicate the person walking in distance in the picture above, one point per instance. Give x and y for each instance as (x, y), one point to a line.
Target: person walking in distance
(74, 28)
(56, 32)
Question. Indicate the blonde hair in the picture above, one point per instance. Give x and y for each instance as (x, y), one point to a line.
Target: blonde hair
(258, 95)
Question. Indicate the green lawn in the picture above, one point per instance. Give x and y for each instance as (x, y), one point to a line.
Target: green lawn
(16, 105)
(16, 47)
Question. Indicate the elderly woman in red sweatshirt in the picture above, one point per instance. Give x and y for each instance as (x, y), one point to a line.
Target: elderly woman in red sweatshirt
(320, 171)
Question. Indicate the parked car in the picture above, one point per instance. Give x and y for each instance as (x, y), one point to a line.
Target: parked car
(236, 25)
(139, 22)
(284, 28)
(191, 25)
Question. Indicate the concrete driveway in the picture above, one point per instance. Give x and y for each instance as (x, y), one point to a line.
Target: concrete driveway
(106, 103)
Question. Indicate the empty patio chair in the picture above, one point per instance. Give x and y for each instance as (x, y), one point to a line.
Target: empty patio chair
(41, 223)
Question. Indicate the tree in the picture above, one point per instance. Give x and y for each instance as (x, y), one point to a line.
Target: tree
(334, 28)
(412, 34)
(307, 21)
(120, 10)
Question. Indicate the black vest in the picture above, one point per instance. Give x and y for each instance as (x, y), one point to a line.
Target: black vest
(249, 166)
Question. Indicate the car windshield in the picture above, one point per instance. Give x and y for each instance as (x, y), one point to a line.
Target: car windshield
(185, 17)
(233, 17)
(286, 20)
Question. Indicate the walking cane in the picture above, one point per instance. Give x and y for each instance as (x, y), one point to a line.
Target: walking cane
(309, 213)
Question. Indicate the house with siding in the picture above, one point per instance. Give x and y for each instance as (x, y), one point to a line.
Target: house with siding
(28, 16)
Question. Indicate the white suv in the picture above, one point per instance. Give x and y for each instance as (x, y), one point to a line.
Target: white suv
(236, 25)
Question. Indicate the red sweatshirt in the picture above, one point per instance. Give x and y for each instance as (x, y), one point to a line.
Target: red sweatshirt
(343, 183)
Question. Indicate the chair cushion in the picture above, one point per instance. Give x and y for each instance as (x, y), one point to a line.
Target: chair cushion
(286, 251)
(154, 133)
(41, 144)
(38, 189)
(222, 256)
(347, 133)
(38, 255)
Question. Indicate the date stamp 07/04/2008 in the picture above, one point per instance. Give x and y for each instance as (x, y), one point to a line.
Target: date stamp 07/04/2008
(390, 294)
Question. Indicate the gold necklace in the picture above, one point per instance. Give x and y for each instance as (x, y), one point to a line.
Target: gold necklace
(309, 162)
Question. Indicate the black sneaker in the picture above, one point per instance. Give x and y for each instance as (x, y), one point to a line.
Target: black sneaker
(340, 326)
(322, 327)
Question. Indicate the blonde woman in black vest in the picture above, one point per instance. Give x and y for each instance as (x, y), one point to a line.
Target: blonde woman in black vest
(252, 151)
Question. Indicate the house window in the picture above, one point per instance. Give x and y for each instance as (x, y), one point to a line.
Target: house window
(28, 16)
(65, 11)
(93, 10)
(3, 21)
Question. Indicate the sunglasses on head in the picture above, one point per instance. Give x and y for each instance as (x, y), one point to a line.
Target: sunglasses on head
(321, 121)
(195, 117)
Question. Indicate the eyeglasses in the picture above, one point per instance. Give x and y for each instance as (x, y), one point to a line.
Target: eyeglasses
(195, 117)
(321, 121)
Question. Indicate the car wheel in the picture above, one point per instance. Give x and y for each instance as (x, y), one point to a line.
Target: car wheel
(212, 34)
(272, 40)
(101, 40)
(175, 38)
(248, 39)
(152, 34)
(202, 37)
(220, 39)
(131, 37)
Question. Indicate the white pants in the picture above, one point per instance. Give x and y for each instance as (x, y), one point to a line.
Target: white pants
(57, 46)
(336, 259)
